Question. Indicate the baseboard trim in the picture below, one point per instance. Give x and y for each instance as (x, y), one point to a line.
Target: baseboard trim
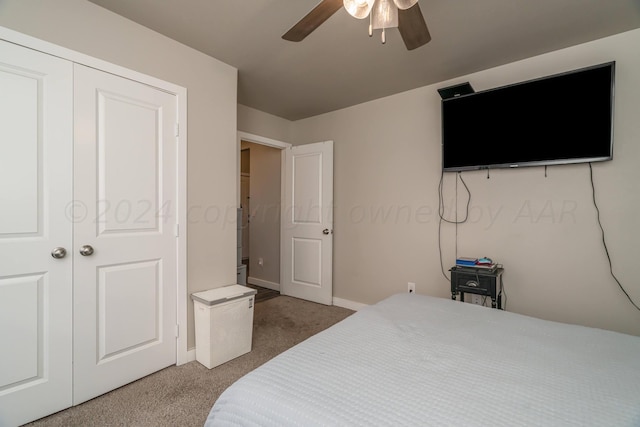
(264, 283)
(345, 303)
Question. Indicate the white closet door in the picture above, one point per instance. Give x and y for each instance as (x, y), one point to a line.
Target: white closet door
(125, 186)
(36, 140)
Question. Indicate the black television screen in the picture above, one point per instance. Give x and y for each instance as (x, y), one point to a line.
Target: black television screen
(559, 119)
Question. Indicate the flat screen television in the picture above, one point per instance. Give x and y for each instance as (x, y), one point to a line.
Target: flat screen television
(560, 119)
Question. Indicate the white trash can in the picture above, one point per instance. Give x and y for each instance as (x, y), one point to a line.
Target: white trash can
(224, 323)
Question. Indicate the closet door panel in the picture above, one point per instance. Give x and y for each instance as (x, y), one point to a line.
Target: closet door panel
(128, 155)
(35, 199)
(125, 183)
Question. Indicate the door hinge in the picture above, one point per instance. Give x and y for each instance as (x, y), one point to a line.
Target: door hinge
(177, 129)
(177, 230)
(177, 331)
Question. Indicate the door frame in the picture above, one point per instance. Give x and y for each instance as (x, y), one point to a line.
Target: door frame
(182, 353)
(261, 140)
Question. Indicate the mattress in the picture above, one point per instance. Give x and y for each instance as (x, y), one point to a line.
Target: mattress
(414, 360)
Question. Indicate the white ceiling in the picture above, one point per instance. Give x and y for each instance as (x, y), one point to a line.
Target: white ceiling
(338, 65)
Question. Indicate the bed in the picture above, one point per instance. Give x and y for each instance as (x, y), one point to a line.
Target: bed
(415, 360)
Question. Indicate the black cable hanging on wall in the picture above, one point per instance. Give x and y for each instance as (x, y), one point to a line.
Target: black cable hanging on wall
(443, 219)
(604, 243)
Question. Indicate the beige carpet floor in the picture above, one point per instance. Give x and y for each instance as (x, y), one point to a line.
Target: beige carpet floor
(183, 395)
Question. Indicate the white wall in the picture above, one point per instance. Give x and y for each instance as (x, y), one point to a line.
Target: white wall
(212, 86)
(543, 229)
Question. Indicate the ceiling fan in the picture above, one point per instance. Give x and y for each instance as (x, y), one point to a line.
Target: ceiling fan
(403, 14)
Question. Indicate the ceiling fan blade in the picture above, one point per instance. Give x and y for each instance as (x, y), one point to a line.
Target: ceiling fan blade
(412, 27)
(312, 20)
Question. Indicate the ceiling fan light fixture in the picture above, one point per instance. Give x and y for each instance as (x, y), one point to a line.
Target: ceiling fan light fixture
(384, 15)
(402, 14)
(405, 4)
(358, 8)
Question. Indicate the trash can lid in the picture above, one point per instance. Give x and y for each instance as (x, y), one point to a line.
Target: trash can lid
(223, 294)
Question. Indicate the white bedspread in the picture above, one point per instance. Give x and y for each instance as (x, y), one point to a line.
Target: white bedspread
(413, 360)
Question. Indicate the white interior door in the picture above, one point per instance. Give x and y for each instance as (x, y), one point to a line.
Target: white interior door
(36, 140)
(307, 223)
(125, 190)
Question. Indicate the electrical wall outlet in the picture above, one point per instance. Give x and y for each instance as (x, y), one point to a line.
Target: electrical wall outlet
(476, 299)
(411, 287)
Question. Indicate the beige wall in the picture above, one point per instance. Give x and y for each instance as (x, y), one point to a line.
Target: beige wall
(265, 125)
(211, 86)
(543, 229)
(264, 237)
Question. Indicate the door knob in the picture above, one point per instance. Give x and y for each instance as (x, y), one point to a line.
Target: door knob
(326, 231)
(86, 250)
(59, 252)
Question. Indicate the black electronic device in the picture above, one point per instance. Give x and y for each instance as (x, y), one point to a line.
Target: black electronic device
(456, 90)
(478, 282)
(560, 119)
